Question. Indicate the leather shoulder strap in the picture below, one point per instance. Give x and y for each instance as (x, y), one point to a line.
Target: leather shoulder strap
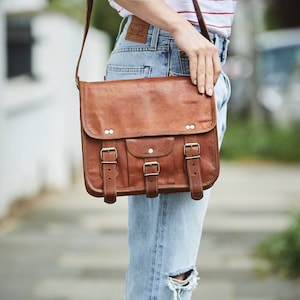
(202, 25)
(89, 7)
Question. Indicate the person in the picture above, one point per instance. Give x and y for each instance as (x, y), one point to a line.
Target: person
(164, 233)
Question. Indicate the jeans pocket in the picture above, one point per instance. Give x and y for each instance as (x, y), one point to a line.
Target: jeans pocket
(181, 65)
(227, 90)
(184, 63)
(116, 72)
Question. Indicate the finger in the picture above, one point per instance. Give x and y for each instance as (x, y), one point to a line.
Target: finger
(201, 67)
(209, 76)
(217, 68)
(193, 69)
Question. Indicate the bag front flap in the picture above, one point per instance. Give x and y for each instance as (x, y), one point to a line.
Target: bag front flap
(144, 107)
(150, 147)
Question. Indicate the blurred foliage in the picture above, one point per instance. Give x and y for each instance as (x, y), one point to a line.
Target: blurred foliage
(282, 14)
(282, 250)
(104, 17)
(75, 9)
(247, 140)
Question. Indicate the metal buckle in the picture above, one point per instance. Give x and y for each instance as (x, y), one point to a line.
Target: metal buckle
(111, 149)
(150, 164)
(191, 145)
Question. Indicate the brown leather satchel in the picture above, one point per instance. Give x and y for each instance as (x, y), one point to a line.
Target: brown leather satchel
(147, 136)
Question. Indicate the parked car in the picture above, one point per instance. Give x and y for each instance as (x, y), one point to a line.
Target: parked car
(277, 77)
(278, 74)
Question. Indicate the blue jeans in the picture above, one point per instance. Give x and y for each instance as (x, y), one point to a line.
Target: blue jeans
(164, 233)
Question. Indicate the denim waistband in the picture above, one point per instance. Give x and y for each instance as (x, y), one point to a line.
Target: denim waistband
(220, 42)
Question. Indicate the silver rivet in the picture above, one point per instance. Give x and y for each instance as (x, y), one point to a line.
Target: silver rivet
(150, 150)
(190, 127)
(108, 131)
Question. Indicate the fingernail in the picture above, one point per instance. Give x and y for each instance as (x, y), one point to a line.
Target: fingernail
(202, 90)
(195, 82)
(210, 92)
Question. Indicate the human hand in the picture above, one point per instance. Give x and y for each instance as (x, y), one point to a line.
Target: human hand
(205, 65)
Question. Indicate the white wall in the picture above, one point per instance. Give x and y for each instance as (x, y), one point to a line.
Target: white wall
(2, 73)
(20, 5)
(40, 119)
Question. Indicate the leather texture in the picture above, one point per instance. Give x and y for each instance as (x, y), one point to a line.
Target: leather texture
(147, 136)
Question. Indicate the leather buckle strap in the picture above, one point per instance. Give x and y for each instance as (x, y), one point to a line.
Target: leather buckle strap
(110, 149)
(151, 171)
(151, 164)
(193, 164)
(190, 145)
(108, 158)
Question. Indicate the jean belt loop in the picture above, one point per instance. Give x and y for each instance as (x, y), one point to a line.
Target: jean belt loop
(122, 25)
(154, 38)
(222, 44)
(217, 41)
(225, 46)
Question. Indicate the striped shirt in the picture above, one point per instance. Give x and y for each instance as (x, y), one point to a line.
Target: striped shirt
(218, 14)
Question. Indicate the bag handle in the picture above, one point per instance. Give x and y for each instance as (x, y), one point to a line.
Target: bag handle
(89, 8)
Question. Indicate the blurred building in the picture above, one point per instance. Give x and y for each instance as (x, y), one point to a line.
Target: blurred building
(39, 108)
(264, 67)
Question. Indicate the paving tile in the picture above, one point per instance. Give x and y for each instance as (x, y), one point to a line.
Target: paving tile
(79, 289)
(71, 246)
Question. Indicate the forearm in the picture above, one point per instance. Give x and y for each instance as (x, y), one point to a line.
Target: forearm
(155, 12)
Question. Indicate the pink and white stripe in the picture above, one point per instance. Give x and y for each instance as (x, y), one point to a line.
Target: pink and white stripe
(218, 14)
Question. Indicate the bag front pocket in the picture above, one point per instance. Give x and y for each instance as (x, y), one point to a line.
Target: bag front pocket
(152, 156)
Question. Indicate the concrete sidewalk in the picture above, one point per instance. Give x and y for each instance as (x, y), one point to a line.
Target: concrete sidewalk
(71, 246)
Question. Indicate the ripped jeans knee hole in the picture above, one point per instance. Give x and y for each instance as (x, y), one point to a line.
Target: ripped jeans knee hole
(181, 286)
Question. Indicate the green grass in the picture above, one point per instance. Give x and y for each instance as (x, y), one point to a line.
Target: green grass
(282, 250)
(245, 140)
